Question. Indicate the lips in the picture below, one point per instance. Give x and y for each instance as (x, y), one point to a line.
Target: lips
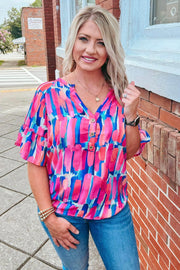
(89, 59)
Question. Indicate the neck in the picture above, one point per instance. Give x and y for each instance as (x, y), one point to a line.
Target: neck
(88, 76)
(92, 83)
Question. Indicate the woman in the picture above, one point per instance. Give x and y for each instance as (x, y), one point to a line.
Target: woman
(77, 136)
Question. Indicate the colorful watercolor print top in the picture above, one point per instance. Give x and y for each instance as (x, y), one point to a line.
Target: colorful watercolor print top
(85, 153)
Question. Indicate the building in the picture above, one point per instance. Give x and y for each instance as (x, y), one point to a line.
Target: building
(33, 32)
(152, 46)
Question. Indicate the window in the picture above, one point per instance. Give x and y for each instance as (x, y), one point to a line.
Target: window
(150, 34)
(84, 3)
(68, 9)
(165, 11)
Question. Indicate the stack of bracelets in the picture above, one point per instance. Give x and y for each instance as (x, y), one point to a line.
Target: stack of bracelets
(43, 214)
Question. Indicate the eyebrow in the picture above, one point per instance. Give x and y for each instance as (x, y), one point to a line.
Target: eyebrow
(89, 36)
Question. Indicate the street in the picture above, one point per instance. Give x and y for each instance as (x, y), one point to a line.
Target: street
(13, 76)
(23, 243)
(21, 77)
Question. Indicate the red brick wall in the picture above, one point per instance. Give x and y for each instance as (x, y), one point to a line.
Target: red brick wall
(56, 19)
(35, 45)
(50, 38)
(111, 5)
(154, 184)
(57, 31)
(59, 63)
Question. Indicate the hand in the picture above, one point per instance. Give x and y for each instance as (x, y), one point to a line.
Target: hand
(59, 229)
(131, 100)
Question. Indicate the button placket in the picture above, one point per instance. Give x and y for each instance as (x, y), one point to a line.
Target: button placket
(91, 147)
(92, 128)
(93, 120)
(92, 133)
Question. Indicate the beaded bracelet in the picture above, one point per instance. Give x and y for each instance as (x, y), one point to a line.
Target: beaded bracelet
(43, 214)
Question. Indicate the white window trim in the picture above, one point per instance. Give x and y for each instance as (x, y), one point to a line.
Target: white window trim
(152, 52)
(67, 13)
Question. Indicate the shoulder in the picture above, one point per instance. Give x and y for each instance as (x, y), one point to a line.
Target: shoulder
(56, 84)
(46, 85)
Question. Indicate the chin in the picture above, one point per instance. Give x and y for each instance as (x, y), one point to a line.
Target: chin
(88, 67)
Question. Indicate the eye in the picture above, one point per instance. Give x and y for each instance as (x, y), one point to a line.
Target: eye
(83, 39)
(101, 43)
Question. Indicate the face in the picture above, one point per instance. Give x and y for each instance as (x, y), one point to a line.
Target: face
(89, 51)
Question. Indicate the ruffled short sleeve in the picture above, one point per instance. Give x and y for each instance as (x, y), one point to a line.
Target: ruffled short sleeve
(144, 138)
(32, 136)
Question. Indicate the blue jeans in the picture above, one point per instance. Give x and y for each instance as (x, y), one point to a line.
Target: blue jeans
(114, 238)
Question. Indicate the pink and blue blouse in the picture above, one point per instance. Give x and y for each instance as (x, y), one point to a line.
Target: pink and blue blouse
(84, 153)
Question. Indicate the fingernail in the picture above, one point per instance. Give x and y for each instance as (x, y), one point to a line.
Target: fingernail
(77, 232)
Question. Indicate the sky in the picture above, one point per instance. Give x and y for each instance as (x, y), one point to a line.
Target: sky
(6, 5)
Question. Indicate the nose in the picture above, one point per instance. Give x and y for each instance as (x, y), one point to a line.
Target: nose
(91, 48)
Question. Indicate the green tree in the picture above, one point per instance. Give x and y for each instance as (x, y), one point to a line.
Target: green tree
(6, 44)
(36, 3)
(13, 22)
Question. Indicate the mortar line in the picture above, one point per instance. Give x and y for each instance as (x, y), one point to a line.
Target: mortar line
(15, 204)
(12, 169)
(7, 149)
(19, 192)
(31, 256)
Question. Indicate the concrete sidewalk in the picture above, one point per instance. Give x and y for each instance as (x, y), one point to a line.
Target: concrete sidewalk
(23, 243)
(11, 59)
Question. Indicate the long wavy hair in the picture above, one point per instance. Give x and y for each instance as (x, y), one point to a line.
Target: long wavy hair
(114, 69)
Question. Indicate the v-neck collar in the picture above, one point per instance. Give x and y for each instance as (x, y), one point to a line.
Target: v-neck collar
(73, 93)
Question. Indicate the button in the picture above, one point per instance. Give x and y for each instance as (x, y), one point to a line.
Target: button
(91, 146)
(92, 134)
(93, 120)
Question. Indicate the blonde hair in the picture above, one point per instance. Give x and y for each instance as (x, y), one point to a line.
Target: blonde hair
(114, 69)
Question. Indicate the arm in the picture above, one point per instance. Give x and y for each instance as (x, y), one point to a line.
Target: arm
(59, 228)
(132, 140)
(130, 111)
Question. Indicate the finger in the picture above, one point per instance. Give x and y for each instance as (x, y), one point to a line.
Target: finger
(130, 104)
(69, 244)
(56, 242)
(63, 244)
(130, 97)
(132, 83)
(132, 90)
(124, 100)
(73, 240)
(73, 229)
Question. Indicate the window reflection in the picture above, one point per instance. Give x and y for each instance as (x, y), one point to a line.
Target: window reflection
(165, 11)
(78, 5)
(81, 3)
